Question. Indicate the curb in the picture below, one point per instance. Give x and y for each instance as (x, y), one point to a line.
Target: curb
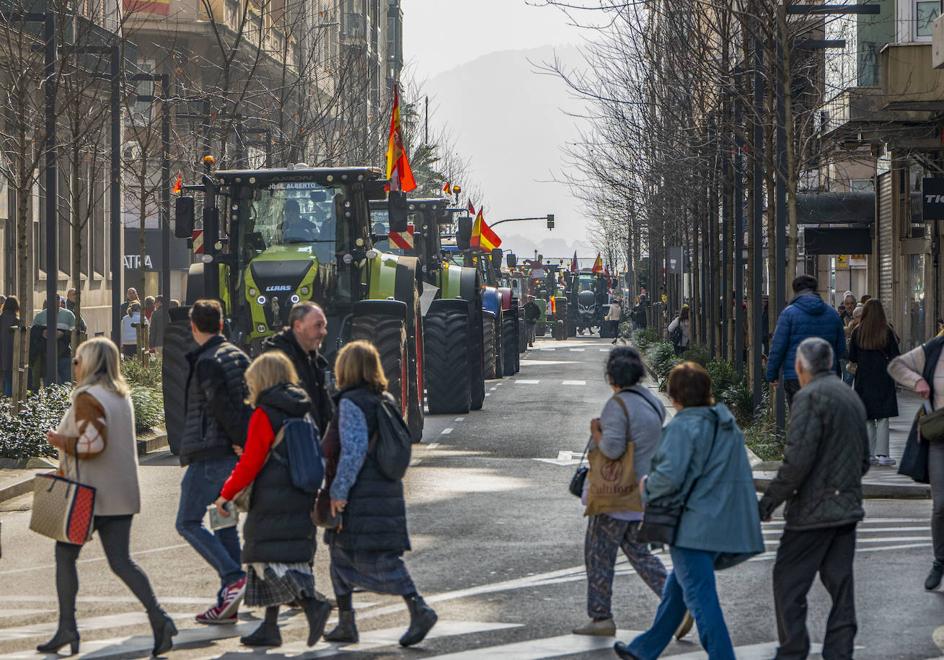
(149, 446)
(871, 491)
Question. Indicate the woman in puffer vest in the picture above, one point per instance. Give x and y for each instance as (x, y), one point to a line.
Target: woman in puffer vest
(278, 536)
(368, 544)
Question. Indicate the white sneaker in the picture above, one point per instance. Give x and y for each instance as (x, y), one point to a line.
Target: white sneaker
(885, 461)
(873, 461)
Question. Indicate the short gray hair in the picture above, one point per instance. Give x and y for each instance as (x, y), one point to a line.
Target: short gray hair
(301, 310)
(816, 355)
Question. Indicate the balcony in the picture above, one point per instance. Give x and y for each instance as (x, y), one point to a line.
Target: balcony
(908, 80)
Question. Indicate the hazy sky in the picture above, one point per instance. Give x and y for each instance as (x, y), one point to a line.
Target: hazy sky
(441, 34)
(507, 120)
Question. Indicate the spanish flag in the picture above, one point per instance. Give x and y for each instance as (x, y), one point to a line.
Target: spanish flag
(398, 164)
(598, 264)
(471, 208)
(483, 238)
(178, 184)
(447, 188)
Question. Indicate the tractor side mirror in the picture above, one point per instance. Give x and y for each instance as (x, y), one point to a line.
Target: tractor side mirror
(398, 211)
(183, 217)
(464, 233)
(497, 255)
(511, 259)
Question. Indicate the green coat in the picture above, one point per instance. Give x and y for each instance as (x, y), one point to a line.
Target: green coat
(720, 513)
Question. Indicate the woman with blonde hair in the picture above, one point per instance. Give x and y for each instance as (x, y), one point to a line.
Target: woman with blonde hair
(367, 545)
(278, 536)
(97, 447)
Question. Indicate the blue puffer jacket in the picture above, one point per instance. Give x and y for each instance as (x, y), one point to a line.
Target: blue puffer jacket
(807, 316)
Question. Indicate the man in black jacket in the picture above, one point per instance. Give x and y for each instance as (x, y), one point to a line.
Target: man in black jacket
(531, 315)
(825, 458)
(215, 425)
(300, 341)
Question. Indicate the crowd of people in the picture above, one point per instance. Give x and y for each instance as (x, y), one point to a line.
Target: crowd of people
(142, 330)
(234, 450)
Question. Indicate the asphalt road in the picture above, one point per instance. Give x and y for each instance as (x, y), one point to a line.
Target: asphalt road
(497, 550)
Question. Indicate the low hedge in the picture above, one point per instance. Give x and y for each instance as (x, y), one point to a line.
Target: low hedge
(23, 431)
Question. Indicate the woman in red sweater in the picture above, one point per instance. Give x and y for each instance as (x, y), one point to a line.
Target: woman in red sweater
(278, 536)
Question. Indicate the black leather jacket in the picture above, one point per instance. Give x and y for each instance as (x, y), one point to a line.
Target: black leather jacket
(217, 414)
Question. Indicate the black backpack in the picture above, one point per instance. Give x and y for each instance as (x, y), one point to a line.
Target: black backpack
(394, 445)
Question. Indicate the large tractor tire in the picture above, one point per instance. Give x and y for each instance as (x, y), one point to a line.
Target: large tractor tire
(509, 343)
(446, 338)
(416, 415)
(488, 336)
(522, 337)
(383, 323)
(540, 329)
(178, 341)
(571, 329)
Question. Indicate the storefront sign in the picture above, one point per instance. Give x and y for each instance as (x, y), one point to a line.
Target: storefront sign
(932, 198)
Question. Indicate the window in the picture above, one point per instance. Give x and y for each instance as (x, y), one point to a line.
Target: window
(925, 13)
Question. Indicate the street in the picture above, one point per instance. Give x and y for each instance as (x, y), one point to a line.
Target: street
(497, 550)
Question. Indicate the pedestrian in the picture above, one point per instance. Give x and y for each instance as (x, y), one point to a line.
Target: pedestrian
(131, 296)
(848, 373)
(872, 347)
(632, 415)
(9, 320)
(149, 305)
(806, 316)
(97, 446)
(71, 300)
(301, 342)
(640, 320)
(367, 547)
(700, 463)
(130, 323)
(157, 324)
(613, 317)
(680, 330)
(215, 420)
(825, 457)
(922, 370)
(848, 306)
(65, 324)
(531, 315)
(278, 535)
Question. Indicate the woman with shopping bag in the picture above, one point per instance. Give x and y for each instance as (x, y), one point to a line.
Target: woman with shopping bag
(623, 440)
(98, 454)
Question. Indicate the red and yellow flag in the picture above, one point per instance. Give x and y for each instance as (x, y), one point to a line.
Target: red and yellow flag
(398, 164)
(483, 238)
(447, 188)
(598, 264)
(178, 184)
(471, 208)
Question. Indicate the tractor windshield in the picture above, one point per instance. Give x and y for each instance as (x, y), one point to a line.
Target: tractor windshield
(586, 282)
(379, 227)
(297, 214)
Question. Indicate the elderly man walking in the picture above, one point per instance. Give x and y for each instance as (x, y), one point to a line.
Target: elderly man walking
(826, 455)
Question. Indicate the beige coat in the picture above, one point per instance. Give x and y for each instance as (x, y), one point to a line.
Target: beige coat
(107, 450)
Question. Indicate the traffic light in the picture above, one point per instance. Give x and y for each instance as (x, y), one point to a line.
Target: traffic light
(550, 221)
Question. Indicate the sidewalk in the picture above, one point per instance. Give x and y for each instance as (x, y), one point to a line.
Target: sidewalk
(880, 482)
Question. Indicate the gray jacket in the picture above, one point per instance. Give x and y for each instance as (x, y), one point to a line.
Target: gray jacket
(825, 458)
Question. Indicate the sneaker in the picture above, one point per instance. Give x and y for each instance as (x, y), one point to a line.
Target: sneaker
(686, 626)
(604, 628)
(873, 461)
(232, 598)
(213, 617)
(885, 461)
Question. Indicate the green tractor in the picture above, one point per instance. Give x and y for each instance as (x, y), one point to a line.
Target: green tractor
(456, 328)
(275, 237)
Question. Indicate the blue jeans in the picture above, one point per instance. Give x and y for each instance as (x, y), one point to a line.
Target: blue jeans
(691, 584)
(200, 487)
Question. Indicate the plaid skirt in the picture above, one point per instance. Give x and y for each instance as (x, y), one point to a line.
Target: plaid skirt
(377, 572)
(268, 585)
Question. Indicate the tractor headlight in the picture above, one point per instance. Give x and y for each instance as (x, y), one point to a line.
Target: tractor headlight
(304, 290)
(261, 300)
(252, 292)
(260, 328)
(372, 254)
(347, 258)
(295, 299)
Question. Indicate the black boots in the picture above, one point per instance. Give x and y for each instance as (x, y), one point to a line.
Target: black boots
(164, 631)
(346, 630)
(64, 635)
(268, 633)
(422, 620)
(933, 580)
(317, 613)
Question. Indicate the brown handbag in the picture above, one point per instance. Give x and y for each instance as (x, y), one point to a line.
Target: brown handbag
(613, 484)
